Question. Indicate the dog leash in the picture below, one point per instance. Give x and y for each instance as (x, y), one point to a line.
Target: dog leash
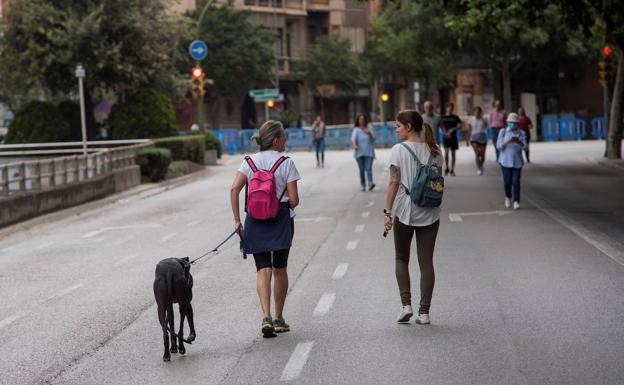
(216, 249)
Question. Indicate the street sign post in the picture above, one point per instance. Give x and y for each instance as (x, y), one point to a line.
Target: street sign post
(266, 98)
(198, 50)
(265, 92)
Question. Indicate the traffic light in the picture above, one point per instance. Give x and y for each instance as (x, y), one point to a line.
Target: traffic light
(384, 97)
(605, 66)
(270, 103)
(198, 82)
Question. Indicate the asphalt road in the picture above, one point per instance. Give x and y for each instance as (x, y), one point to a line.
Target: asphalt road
(526, 297)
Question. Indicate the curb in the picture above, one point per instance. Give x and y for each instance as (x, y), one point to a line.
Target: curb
(143, 191)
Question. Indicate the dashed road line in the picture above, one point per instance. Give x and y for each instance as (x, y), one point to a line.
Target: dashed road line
(324, 304)
(10, 319)
(194, 223)
(370, 204)
(65, 291)
(167, 237)
(360, 228)
(129, 227)
(352, 244)
(297, 361)
(340, 271)
(366, 214)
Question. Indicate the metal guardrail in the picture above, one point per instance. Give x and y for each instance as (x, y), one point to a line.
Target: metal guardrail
(35, 175)
(61, 147)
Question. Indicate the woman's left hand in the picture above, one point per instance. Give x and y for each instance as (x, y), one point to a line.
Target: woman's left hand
(387, 224)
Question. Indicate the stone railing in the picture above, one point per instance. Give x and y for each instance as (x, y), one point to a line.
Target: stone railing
(42, 174)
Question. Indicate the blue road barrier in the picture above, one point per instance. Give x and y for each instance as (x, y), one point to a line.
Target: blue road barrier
(567, 128)
(598, 127)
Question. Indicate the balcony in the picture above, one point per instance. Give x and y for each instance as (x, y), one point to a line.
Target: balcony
(285, 66)
(286, 7)
(318, 5)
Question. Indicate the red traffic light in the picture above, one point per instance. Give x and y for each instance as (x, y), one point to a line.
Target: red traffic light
(197, 72)
(607, 51)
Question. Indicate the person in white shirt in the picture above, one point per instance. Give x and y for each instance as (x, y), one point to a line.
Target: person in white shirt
(269, 240)
(406, 218)
(478, 138)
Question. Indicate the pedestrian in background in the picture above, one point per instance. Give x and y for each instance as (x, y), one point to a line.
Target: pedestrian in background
(318, 135)
(430, 117)
(511, 142)
(497, 123)
(363, 142)
(525, 125)
(406, 218)
(478, 138)
(450, 124)
(269, 240)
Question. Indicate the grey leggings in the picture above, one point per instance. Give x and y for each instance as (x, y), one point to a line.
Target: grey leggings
(425, 243)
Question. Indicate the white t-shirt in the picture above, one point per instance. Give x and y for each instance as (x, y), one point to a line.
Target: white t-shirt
(404, 209)
(286, 173)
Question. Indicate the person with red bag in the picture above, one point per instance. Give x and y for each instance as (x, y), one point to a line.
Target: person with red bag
(271, 196)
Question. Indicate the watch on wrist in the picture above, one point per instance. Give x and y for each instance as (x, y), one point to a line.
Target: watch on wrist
(388, 213)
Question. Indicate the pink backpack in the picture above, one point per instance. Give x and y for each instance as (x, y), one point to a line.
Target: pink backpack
(262, 202)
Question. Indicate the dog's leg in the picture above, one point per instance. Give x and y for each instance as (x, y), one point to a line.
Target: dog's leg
(181, 348)
(174, 342)
(162, 318)
(189, 315)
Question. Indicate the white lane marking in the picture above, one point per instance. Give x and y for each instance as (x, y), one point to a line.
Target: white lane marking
(129, 227)
(340, 271)
(352, 244)
(124, 260)
(366, 214)
(370, 204)
(297, 361)
(457, 217)
(10, 319)
(167, 237)
(194, 223)
(324, 304)
(585, 234)
(65, 291)
(360, 228)
(315, 220)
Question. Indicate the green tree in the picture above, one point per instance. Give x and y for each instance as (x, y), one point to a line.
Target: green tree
(330, 62)
(124, 45)
(38, 122)
(508, 33)
(409, 40)
(240, 54)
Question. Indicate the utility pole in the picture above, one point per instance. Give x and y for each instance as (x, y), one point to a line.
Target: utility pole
(80, 74)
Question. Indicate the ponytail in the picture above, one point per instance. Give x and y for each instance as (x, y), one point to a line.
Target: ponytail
(413, 118)
(430, 139)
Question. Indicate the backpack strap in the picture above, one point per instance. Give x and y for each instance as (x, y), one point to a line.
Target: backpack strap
(411, 152)
(251, 164)
(278, 163)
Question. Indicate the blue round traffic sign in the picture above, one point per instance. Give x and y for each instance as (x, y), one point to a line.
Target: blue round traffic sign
(198, 50)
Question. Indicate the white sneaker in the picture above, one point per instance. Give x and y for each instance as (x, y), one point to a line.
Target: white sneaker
(423, 319)
(480, 172)
(507, 202)
(406, 314)
(516, 205)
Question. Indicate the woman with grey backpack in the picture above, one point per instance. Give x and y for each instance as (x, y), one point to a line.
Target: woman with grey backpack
(412, 207)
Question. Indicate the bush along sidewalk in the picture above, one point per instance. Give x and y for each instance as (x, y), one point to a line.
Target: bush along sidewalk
(154, 162)
(184, 147)
(213, 143)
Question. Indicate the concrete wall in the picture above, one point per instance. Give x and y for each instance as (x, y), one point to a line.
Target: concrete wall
(27, 205)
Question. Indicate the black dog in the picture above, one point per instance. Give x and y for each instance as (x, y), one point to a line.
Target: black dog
(174, 283)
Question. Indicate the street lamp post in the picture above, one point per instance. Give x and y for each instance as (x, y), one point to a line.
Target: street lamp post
(80, 74)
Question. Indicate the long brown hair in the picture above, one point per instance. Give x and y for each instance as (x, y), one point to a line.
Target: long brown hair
(412, 118)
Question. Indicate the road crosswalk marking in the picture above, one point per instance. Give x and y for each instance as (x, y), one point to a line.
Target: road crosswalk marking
(366, 214)
(359, 228)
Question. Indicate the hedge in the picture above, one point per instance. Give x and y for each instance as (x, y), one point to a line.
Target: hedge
(154, 162)
(146, 114)
(38, 122)
(213, 143)
(184, 147)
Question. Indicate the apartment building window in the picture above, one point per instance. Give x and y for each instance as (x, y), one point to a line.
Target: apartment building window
(279, 42)
(265, 3)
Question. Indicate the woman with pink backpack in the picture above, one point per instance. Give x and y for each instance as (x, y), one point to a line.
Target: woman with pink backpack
(271, 195)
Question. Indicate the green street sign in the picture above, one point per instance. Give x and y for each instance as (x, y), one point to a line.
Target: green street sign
(266, 98)
(271, 92)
